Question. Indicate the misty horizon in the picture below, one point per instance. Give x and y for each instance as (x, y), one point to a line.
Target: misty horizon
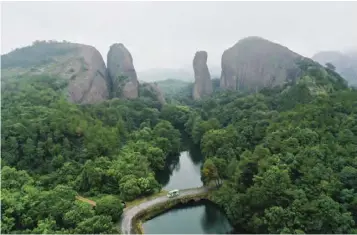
(167, 34)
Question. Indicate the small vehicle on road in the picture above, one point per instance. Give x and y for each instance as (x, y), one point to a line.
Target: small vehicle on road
(173, 193)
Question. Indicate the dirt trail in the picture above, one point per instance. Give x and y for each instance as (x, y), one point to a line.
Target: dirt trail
(93, 203)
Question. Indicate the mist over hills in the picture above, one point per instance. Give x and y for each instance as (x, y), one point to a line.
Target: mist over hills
(345, 63)
(185, 73)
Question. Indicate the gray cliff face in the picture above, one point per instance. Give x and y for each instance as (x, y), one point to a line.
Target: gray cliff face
(81, 65)
(254, 63)
(124, 81)
(203, 84)
(89, 81)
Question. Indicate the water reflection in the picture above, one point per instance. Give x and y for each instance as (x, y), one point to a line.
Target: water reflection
(194, 218)
(163, 177)
(182, 171)
(195, 154)
(214, 220)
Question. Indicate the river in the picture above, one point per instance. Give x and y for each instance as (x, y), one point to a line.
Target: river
(195, 218)
(182, 172)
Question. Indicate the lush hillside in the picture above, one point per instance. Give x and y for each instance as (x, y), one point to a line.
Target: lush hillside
(53, 150)
(288, 155)
(82, 66)
(172, 86)
(37, 58)
(176, 91)
(38, 53)
(345, 63)
(180, 92)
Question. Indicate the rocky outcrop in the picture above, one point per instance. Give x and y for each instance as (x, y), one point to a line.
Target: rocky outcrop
(152, 91)
(81, 65)
(254, 63)
(203, 83)
(124, 81)
(344, 63)
(88, 76)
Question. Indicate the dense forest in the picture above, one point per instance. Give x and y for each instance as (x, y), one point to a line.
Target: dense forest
(286, 157)
(53, 150)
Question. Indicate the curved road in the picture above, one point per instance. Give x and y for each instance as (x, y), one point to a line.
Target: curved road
(128, 215)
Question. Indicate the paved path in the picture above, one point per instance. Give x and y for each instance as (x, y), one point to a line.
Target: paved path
(128, 215)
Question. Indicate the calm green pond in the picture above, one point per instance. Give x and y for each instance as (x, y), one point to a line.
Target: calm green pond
(198, 218)
(203, 217)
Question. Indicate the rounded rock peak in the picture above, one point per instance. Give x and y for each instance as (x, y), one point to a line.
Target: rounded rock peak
(120, 64)
(253, 38)
(201, 53)
(201, 56)
(118, 45)
(254, 63)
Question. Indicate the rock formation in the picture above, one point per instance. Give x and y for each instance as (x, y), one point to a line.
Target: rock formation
(124, 82)
(152, 90)
(203, 83)
(81, 65)
(254, 63)
(89, 81)
(345, 63)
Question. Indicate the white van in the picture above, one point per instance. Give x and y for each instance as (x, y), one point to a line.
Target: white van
(173, 193)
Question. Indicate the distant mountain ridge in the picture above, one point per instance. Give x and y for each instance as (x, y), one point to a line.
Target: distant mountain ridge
(345, 63)
(160, 74)
(185, 73)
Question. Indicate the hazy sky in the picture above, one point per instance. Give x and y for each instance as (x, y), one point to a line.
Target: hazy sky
(167, 34)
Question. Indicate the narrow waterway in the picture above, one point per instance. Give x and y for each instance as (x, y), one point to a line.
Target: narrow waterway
(182, 173)
(203, 217)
